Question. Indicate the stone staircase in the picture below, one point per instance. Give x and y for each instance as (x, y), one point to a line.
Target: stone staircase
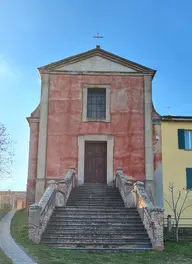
(95, 218)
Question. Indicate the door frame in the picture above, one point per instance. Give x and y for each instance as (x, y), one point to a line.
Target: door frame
(81, 155)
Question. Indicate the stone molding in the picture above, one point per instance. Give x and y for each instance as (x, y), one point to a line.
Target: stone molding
(97, 52)
(107, 106)
(32, 120)
(81, 155)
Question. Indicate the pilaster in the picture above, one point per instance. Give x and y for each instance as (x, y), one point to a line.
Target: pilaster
(42, 145)
(148, 135)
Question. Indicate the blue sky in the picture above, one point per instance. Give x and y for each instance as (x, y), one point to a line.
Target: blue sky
(156, 34)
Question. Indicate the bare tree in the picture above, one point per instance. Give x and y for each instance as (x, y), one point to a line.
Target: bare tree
(6, 153)
(174, 205)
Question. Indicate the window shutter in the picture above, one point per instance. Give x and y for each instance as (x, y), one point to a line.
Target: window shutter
(181, 138)
(189, 178)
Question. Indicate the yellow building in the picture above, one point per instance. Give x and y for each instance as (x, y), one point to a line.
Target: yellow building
(177, 162)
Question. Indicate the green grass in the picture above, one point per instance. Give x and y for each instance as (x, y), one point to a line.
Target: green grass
(173, 254)
(3, 212)
(4, 259)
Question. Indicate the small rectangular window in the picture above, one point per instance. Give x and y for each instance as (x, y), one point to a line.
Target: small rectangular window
(188, 139)
(96, 103)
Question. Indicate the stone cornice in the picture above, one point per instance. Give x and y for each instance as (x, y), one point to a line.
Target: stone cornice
(95, 73)
(97, 52)
(32, 120)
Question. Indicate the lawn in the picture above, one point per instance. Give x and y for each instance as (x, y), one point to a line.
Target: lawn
(173, 254)
(4, 259)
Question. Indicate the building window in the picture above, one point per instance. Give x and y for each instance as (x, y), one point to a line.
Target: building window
(188, 139)
(184, 139)
(96, 103)
(189, 178)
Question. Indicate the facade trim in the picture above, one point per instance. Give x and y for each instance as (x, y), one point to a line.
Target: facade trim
(148, 135)
(42, 144)
(81, 155)
(108, 108)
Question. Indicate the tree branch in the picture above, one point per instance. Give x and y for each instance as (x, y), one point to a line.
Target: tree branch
(186, 208)
(178, 198)
(171, 188)
(183, 204)
(169, 204)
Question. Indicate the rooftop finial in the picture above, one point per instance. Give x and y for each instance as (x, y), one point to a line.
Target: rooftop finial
(98, 37)
(168, 107)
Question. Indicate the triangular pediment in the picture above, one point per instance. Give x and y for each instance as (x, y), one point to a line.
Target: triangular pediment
(96, 64)
(96, 60)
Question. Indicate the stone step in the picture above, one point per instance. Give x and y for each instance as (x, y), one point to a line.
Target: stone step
(95, 224)
(92, 233)
(106, 199)
(94, 192)
(95, 205)
(95, 186)
(110, 222)
(94, 198)
(90, 191)
(105, 249)
(89, 184)
(62, 243)
(94, 215)
(101, 190)
(104, 204)
(96, 220)
(92, 240)
(96, 209)
(98, 190)
(100, 201)
(96, 237)
(101, 216)
(95, 195)
(95, 229)
(94, 189)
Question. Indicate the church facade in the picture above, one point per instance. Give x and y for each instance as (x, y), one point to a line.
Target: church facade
(95, 115)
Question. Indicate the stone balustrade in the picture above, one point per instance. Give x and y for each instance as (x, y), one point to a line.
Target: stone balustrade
(125, 186)
(135, 195)
(56, 194)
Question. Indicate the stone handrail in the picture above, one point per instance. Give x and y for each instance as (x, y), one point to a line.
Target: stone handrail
(125, 186)
(135, 195)
(56, 194)
(151, 216)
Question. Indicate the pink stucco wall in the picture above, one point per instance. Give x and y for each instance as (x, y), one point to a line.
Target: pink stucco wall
(65, 122)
